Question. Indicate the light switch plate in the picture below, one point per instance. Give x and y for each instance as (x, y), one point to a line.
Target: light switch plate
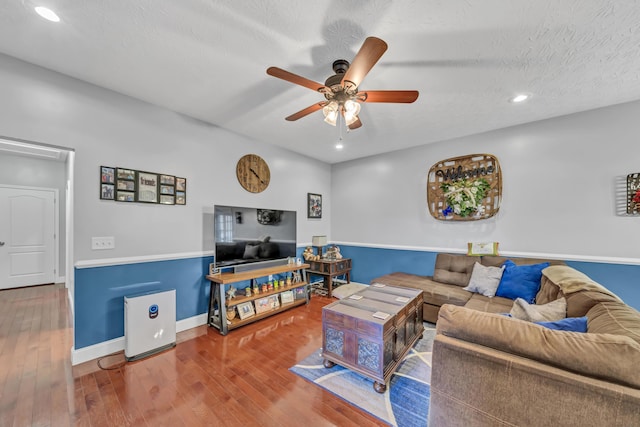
(103, 243)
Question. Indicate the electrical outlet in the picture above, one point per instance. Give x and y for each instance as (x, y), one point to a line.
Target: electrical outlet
(103, 243)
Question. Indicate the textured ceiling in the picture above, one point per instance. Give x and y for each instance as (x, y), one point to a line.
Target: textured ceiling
(207, 59)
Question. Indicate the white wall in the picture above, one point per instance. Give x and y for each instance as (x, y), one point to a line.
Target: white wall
(560, 178)
(106, 128)
(35, 172)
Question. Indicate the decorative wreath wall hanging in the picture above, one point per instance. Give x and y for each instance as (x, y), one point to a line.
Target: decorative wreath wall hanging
(466, 188)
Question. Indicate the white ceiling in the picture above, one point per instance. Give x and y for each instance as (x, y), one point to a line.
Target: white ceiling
(207, 59)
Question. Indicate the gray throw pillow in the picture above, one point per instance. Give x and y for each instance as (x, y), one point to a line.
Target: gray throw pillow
(554, 310)
(484, 280)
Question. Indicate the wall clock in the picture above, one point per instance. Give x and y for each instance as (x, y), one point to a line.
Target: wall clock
(253, 173)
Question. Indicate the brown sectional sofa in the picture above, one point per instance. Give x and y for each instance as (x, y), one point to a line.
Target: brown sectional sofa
(492, 370)
(451, 274)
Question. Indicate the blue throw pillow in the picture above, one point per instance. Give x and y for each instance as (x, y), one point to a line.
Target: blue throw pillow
(521, 281)
(571, 324)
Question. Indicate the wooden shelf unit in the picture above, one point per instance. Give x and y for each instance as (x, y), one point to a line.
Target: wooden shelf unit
(218, 302)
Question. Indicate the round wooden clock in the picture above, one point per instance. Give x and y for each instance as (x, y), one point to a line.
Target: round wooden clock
(253, 173)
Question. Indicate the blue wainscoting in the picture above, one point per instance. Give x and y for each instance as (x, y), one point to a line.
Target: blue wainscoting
(369, 263)
(100, 291)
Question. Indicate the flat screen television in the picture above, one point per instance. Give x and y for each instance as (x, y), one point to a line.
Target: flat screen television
(246, 235)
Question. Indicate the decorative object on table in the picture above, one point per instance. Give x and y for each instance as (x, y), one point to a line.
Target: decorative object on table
(466, 188)
(247, 292)
(286, 297)
(296, 277)
(274, 302)
(333, 252)
(231, 313)
(308, 254)
(299, 293)
(253, 173)
(265, 287)
(319, 242)
(231, 292)
(245, 310)
(262, 305)
(633, 193)
(314, 205)
(129, 185)
(479, 249)
(288, 280)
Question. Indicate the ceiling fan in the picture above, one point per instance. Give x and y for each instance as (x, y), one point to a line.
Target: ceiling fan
(341, 90)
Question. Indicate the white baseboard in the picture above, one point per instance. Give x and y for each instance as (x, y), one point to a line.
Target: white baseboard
(115, 345)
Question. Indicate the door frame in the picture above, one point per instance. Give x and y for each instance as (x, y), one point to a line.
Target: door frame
(56, 225)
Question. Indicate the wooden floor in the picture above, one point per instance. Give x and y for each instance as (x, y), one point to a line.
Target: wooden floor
(241, 379)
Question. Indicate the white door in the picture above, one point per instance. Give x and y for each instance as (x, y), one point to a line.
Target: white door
(27, 240)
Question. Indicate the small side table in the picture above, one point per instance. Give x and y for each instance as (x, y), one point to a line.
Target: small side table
(330, 268)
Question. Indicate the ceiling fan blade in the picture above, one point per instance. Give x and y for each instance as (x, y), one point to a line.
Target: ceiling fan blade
(399, 96)
(296, 79)
(310, 109)
(356, 124)
(371, 50)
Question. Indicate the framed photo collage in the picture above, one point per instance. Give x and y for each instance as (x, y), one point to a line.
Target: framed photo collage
(128, 185)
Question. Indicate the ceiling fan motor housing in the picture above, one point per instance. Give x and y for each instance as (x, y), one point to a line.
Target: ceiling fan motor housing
(340, 66)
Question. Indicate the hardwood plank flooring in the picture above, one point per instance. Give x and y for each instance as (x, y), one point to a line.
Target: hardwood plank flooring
(241, 379)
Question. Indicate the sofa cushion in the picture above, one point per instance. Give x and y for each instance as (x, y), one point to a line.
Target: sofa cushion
(579, 303)
(453, 269)
(610, 357)
(580, 290)
(521, 281)
(614, 318)
(439, 294)
(434, 293)
(548, 292)
(489, 305)
(554, 310)
(484, 280)
(570, 324)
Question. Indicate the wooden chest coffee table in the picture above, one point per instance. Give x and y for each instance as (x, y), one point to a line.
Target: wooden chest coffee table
(371, 331)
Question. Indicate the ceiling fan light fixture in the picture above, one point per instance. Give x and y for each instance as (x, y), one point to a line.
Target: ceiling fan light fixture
(350, 119)
(351, 107)
(330, 112)
(351, 110)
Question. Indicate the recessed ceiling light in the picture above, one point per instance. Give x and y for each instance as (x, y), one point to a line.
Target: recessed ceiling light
(520, 98)
(339, 146)
(47, 14)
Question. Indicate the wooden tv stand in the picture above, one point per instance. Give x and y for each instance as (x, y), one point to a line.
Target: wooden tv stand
(218, 301)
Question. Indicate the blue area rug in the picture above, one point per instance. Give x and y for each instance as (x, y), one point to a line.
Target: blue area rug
(406, 401)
